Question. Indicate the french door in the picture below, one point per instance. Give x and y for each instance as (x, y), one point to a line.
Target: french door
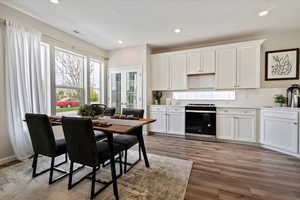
(125, 88)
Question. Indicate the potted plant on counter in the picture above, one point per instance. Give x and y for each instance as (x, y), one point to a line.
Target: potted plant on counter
(280, 99)
(157, 96)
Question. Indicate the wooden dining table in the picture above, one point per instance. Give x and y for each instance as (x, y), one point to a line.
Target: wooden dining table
(116, 126)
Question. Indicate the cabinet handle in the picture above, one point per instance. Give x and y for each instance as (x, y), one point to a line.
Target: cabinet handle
(295, 123)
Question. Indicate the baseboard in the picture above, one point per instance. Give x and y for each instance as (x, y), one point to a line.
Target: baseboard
(280, 151)
(7, 159)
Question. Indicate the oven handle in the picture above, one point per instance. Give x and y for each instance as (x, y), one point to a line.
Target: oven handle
(200, 111)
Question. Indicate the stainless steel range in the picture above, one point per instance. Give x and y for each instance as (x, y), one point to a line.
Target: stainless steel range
(200, 120)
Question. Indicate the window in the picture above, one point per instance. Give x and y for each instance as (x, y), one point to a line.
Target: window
(69, 71)
(72, 80)
(95, 67)
(205, 95)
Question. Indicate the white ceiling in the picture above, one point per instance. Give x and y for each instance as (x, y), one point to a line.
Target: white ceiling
(136, 22)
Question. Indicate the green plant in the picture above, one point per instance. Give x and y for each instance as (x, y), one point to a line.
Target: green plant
(279, 99)
(157, 95)
(86, 110)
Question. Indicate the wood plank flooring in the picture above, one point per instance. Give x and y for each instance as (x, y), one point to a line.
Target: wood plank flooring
(223, 171)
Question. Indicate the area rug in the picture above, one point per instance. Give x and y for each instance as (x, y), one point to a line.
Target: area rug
(166, 179)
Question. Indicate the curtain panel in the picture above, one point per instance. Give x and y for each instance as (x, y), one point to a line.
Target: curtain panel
(24, 83)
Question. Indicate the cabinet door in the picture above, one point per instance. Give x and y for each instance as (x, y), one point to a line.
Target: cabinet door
(194, 63)
(178, 64)
(245, 128)
(160, 77)
(208, 61)
(248, 67)
(226, 68)
(281, 133)
(176, 123)
(225, 127)
(159, 126)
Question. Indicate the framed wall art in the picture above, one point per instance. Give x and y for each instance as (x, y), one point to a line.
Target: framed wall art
(282, 64)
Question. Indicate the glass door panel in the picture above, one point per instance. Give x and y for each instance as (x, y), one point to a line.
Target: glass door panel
(125, 89)
(131, 89)
(115, 99)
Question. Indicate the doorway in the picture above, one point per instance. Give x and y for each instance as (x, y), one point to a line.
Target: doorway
(125, 88)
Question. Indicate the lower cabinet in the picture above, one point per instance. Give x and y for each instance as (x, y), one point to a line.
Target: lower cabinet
(169, 120)
(237, 124)
(160, 125)
(280, 130)
(176, 123)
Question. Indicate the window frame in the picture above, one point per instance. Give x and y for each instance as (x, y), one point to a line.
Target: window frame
(86, 77)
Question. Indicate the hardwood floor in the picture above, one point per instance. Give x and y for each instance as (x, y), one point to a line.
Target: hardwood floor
(223, 171)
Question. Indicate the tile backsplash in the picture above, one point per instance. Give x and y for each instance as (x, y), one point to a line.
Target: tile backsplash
(244, 97)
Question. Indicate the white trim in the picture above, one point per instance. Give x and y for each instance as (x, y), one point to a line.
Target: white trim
(7, 159)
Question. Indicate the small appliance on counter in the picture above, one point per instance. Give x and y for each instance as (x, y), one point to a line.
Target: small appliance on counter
(293, 96)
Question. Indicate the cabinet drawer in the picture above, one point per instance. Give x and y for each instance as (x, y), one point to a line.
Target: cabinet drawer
(236, 111)
(176, 109)
(280, 114)
(158, 108)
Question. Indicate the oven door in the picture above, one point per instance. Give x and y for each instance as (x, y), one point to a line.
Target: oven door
(200, 122)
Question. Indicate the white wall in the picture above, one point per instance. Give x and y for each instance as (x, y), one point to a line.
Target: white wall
(50, 35)
(134, 56)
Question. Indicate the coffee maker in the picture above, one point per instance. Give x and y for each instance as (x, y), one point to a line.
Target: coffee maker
(293, 96)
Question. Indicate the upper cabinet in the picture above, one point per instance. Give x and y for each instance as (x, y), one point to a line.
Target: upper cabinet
(238, 66)
(168, 72)
(226, 68)
(160, 76)
(178, 78)
(248, 67)
(201, 62)
(234, 66)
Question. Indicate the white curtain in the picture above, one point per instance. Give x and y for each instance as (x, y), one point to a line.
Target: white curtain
(24, 83)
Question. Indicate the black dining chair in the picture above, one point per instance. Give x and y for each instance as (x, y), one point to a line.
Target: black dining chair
(83, 148)
(44, 143)
(129, 140)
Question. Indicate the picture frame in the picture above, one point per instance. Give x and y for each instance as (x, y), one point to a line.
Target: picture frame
(282, 64)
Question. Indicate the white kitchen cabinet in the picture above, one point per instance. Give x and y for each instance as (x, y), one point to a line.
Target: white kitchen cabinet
(160, 125)
(176, 123)
(208, 61)
(194, 62)
(225, 127)
(201, 62)
(237, 124)
(169, 120)
(248, 67)
(238, 66)
(245, 128)
(160, 76)
(280, 130)
(226, 68)
(178, 65)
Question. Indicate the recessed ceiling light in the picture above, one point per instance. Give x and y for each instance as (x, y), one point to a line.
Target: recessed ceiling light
(55, 1)
(263, 13)
(120, 42)
(177, 30)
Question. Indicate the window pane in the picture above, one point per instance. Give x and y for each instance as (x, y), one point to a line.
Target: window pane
(69, 69)
(131, 89)
(95, 81)
(68, 101)
(95, 74)
(116, 91)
